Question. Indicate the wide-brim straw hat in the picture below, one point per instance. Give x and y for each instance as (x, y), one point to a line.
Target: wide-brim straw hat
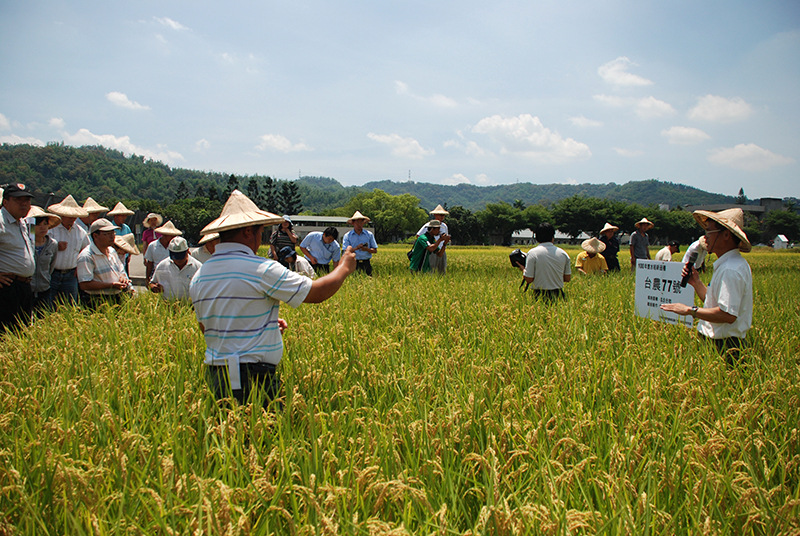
(208, 238)
(158, 217)
(68, 208)
(644, 221)
(120, 210)
(732, 219)
(93, 206)
(169, 229)
(609, 227)
(357, 216)
(439, 210)
(593, 246)
(127, 243)
(240, 212)
(37, 212)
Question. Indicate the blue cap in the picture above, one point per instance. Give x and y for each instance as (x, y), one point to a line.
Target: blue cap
(286, 252)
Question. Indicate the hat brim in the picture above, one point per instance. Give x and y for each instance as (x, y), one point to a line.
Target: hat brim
(702, 217)
(159, 221)
(239, 220)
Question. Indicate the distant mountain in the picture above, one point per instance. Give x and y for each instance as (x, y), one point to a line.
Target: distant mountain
(476, 197)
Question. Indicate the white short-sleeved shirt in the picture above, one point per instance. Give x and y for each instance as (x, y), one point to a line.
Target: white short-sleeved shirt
(16, 246)
(730, 289)
(156, 252)
(547, 265)
(76, 239)
(442, 230)
(236, 297)
(664, 254)
(176, 280)
(201, 254)
(94, 265)
(695, 248)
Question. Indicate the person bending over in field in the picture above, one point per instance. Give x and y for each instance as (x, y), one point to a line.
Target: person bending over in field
(546, 266)
(429, 245)
(590, 260)
(236, 296)
(320, 248)
(727, 311)
(438, 262)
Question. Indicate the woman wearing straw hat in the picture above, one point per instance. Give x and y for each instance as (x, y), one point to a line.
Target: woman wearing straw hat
(45, 248)
(640, 241)
(727, 311)
(151, 221)
(609, 239)
(237, 297)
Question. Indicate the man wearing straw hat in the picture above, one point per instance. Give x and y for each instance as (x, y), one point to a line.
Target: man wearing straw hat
(237, 295)
(157, 250)
(640, 241)
(438, 262)
(17, 258)
(727, 311)
(94, 210)
(590, 259)
(71, 240)
(362, 241)
(207, 246)
(609, 239)
(120, 213)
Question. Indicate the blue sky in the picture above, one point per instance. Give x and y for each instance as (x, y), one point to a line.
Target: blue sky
(698, 93)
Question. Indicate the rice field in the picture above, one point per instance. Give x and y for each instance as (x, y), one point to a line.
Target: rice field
(412, 405)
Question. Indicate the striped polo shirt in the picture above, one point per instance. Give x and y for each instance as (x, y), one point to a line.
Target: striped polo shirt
(94, 265)
(236, 296)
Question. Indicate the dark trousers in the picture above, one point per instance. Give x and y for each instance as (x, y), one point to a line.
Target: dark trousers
(255, 378)
(321, 268)
(364, 266)
(42, 302)
(549, 295)
(16, 304)
(64, 286)
(730, 348)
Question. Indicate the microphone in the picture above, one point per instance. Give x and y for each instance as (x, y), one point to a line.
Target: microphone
(689, 268)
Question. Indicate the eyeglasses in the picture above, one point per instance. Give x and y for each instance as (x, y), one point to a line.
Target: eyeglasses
(712, 231)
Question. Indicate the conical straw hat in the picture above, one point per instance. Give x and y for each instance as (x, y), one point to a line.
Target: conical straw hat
(68, 208)
(439, 210)
(732, 219)
(357, 216)
(37, 212)
(208, 238)
(240, 212)
(593, 245)
(169, 229)
(120, 210)
(127, 243)
(93, 206)
(644, 221)
(609, 227)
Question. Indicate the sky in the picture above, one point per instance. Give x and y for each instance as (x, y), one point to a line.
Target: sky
(702, 93)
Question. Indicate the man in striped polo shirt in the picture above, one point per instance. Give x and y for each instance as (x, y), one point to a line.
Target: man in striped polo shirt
(101, 273)
(236, 296)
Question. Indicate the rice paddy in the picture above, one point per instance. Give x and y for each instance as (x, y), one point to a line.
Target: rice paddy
(412, 405)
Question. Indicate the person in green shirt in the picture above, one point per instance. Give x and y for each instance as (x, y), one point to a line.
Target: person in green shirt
(426, 245)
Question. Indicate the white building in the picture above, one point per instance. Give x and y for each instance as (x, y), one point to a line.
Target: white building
(780, 242)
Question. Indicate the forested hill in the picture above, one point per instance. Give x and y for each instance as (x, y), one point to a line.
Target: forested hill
(475, 197)
(108, 175)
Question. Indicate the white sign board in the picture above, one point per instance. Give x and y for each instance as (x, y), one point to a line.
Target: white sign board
(659, 282)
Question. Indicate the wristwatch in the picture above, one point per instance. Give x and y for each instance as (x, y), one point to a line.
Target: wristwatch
(694, 311)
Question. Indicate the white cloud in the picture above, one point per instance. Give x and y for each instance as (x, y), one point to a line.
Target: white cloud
(456, 178)
(166, 21)
(121, 99)
(570, 181)
(13, 139)
(406, 147)
(580, 121)
(57, 122)
(281, 144)
(202, 145)
(471, 148)
(685, 135)
(748, 157)
(437, 99)
(720, 109)
(481, 179)
(645, 108)
(526, 136)
(5, 124)
(123, 144)
(627, 153)
(616, 72)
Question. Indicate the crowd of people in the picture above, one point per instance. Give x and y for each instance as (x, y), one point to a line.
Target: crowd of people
(75, 255)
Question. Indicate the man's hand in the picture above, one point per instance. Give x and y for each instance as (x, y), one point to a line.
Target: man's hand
(348, 260)
(6, 279)
(62, 246)
(520, 266)
(156, 288)
(678, 308)
(282, 324)
(694, 276)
